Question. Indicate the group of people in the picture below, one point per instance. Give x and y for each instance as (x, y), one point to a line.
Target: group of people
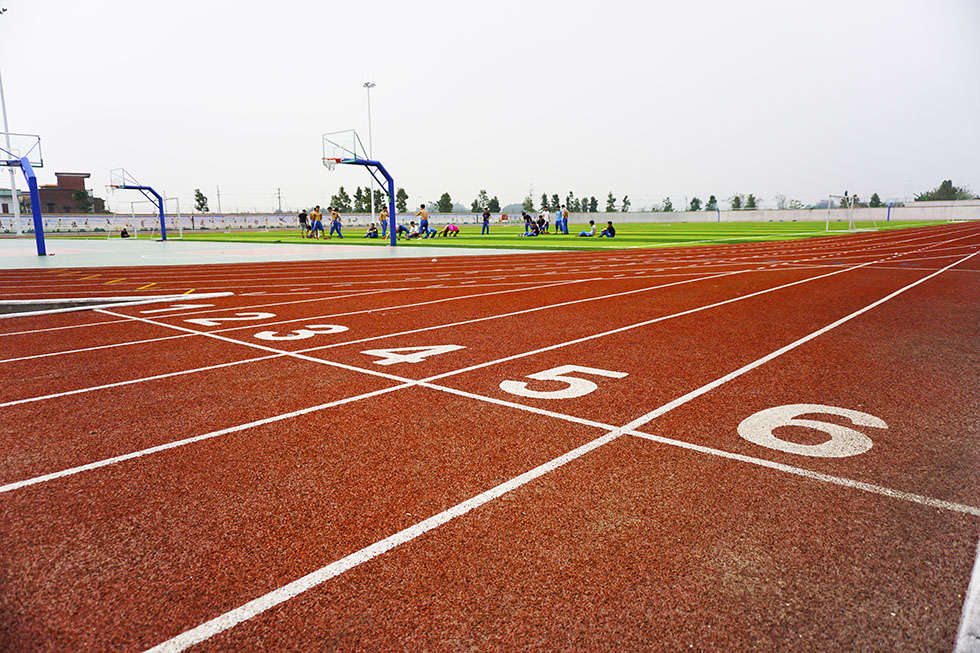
(542, 226)
(423, 230)
(311, 224)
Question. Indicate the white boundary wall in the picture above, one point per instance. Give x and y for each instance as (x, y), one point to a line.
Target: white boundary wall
(966, 209)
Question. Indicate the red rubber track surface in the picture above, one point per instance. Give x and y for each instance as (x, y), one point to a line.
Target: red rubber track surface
(158, 474)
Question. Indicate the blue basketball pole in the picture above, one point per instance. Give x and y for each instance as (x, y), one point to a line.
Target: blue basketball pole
(25, 166)
(390, 183)
(159, 200)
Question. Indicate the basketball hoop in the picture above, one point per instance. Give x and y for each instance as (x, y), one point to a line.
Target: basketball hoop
(329, 162)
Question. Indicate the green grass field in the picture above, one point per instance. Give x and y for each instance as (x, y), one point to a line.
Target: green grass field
(509, 236)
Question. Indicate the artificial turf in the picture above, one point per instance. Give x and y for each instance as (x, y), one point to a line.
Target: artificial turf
(627, 235)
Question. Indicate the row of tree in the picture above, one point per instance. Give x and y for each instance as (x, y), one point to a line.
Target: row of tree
(361, 201)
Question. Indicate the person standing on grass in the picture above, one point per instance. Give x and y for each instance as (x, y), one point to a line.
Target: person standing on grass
(316, 222)
(486, 223)
(590, 233)
(546, 214)
(334, 222)
(609, 231)
(384, 221)
(564, 220)
(423, 216)
(303, 227)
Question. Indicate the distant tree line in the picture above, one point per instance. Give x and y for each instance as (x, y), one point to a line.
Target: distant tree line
(361, 201)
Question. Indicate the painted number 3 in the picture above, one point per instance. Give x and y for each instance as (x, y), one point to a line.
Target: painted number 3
(308, 331)
(575, 386)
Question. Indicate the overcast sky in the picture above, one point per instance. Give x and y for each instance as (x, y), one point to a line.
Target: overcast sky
(648, 99)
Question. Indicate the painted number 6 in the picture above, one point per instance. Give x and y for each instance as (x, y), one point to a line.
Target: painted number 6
(308, 331)
(576, 387)
(843, 442)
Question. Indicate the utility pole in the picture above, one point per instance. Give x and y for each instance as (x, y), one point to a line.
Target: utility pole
(279, 198)
(218, 188)
(15, 200)
(369, 86)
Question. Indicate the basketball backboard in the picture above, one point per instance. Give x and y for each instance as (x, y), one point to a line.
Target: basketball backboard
(13, 147)
(342, 145)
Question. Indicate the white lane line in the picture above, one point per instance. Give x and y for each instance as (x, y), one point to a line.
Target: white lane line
(129, 318)
(16, 485)
(271, 599)
(721, 453)
(210, 628)
(968, 635)
(637, 325)
(782, 350)
(144, 379)
(178, 313)
(903, 241)
(118, 302)
(817, 476)
(349, 342)
(444, 375)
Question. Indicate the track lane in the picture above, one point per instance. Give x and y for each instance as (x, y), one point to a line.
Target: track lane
(909, 362)
(246, 511)
(633, 546)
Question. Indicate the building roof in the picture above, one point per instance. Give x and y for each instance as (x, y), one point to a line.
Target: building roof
(83, 175)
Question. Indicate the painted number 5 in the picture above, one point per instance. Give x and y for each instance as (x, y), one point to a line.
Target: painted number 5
(576, 387)
(842, 442)
(308, 331)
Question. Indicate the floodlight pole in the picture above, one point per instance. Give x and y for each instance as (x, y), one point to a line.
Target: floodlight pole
(369, 86)
(13, 175)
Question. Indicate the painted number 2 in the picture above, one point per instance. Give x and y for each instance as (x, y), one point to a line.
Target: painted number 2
(239, 317)
(308, 331)
(576, 387)
(843, 441)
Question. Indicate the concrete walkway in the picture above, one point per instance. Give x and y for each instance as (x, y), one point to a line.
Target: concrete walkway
(18, 253)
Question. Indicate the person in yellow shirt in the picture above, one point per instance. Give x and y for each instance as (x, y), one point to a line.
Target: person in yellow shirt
(334, 222)
(316, 222)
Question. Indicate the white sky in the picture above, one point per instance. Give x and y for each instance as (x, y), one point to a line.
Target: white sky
(645, 98)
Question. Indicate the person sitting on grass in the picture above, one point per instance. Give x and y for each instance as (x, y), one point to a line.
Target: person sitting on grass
(403, 230)
(414, 232)
(372, 231)
(609, 231)
(590, 233)
(451, 229)
(530, 229)
(542, 225)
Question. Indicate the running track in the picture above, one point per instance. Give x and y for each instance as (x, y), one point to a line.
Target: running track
(237, 473)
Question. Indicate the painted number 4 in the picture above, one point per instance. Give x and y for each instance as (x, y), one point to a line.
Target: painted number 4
(575, 386)
(409, 354)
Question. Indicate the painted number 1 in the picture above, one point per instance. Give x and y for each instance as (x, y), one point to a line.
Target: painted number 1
(575, 386)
